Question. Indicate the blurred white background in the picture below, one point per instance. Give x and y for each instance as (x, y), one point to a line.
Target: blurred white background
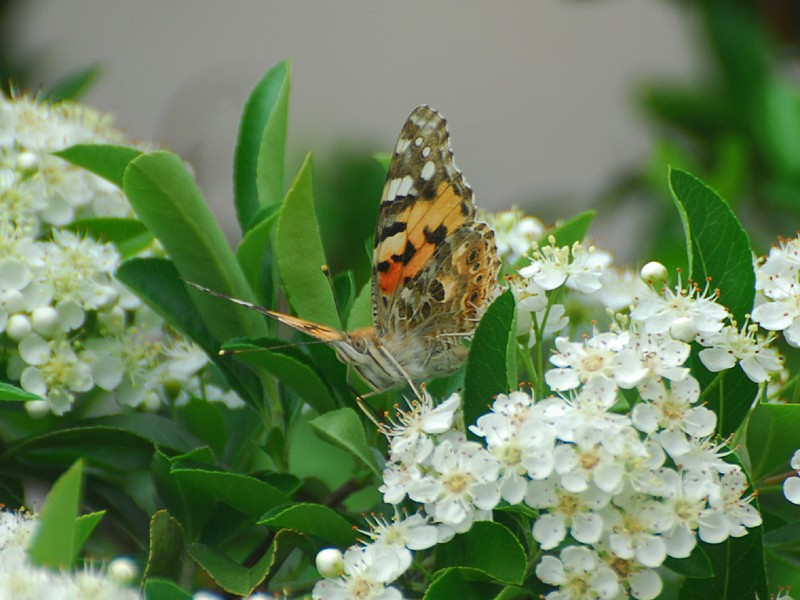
(538, 94)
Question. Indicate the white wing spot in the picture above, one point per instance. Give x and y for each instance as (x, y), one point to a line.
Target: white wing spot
(428, 170)
(418, 141)
(393, 185)
(402, 145)
(426, 152)
(405, 186)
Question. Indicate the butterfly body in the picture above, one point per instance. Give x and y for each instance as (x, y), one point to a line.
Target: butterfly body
(434, 267)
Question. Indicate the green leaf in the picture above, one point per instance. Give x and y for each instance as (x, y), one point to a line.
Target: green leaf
(717, 246)
(129, 236)
(361, 312)
(718, 249)
(313, 519)
(491, 367)
(246, 494)
(54, 543)
(74, 85)
(106, 160)
(166, 547)
(739, 572)
(12, 393)
(772, 431)
(167, 200)
(343, 428)
(239, 580)
(85, 525)
(570, 231)
(695, 566)
(462, 583)
(157, 282)
(300, 255)
(161, 589)
(254, 254)
(489, 547)
(260, 149)
(300, 377)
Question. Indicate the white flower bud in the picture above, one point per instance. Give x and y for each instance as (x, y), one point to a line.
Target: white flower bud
(45, 320)
(38, 409)
(18, 327)
(123, 570)
(13, 301)
(653, 272)
(330, 562)
(27, 160)
(683, 329)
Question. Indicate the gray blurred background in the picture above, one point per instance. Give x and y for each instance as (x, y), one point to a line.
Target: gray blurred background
(538, 94)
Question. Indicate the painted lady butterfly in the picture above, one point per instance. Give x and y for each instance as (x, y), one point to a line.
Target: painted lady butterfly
(433, 271)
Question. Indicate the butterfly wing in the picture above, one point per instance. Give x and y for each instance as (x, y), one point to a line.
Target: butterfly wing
(434, 267)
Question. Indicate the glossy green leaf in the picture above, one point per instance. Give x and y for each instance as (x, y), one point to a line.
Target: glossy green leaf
(718, 249)
(695, 566)
(11, 393)
(570, 231)
(246, 494)
(772, 438)
(343, 428)
(129, 236)
(300, 377)
(462, 583)
(161, 589)
(313, 519)
(739, 572)
(491, 366)
(167, 200)
(74, 85)
(237, 579)
(166, 547)
(260, 149)
(191, 507)
(84, 526)
(300, 255)
(106, 160)
(361, 312)
(157, 282)
(54, 543)
(254, 254)
(717, 246)
(489, 547)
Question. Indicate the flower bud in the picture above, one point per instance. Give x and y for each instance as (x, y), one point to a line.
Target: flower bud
(45, 320)
(653, 273)
(18, 327)
(330, 562)
(37, 409)
(683, 329)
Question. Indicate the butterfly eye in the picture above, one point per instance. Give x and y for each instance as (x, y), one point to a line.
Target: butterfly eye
(359, 344)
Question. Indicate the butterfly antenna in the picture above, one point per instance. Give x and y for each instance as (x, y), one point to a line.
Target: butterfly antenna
(230, 351)
(327, 272)
(402, 371)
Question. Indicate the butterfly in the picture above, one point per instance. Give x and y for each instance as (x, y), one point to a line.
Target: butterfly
(434, 267)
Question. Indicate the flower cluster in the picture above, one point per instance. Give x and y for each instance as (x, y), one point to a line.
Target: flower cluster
(514, 233)
(778, 284)
(70, 325)
(22, 580)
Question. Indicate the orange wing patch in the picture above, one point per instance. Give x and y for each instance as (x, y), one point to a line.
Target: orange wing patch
(404, 254)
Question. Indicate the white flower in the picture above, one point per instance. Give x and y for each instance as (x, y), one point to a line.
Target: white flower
(410, 432)
(662, 355)
(730, 345)
(514, 233)
(536, 317)
(565, 511)
(633, 530)
(368, 570)
(521, 441)
(578, 267)
(579, 574)
(658, 312)
(791, 485)
(730, 512)
(461, 479)
(618, 289)
(669, 413)
(413, 532)
(604, 355)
